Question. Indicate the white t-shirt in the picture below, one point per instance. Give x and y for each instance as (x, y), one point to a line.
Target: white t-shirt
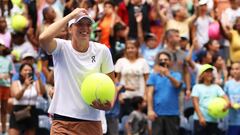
(202, 25)
(229, 16)
(132, 75)
(70, 68)
(26, 47)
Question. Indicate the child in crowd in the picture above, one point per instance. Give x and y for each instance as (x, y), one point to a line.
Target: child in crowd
(137, 123)
(6, 69)
(202, 93)
(232, 89)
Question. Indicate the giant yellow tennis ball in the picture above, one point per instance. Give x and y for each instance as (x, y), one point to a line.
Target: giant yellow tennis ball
(19, 23)
(216, 106)
(97, 86)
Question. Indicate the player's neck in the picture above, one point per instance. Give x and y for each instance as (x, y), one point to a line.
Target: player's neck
(81, 46)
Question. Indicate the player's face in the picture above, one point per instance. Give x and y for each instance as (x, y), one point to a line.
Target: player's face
(81, 30)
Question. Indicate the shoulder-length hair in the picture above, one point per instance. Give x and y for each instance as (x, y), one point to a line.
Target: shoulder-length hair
(21, 78)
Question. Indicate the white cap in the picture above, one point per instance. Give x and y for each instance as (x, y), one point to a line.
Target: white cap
(202, 2)
(28, 54)
(76, 20)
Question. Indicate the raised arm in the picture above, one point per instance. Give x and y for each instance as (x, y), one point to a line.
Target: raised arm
(46, 39)
(139, 18)
(225, 30)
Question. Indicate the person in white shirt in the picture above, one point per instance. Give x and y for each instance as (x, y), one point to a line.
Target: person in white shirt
(73, 60)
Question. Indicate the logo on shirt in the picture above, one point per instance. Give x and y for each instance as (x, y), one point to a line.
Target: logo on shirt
(93, 59)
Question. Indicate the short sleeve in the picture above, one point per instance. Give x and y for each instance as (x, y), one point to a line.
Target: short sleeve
(58, 47)
(178, 77)
(220, 91)
(146, 69)
(151, 79)
(195, 91)
(226, 88)
(131, 117)
(107, 64)
(118, 65)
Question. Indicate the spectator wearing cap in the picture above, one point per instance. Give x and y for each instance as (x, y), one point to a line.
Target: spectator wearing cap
(202, 93)
(203, 57)
(148, 43)
(201, 23)
(6, 70)
(117, 40)
(5, 34)
(163, 110)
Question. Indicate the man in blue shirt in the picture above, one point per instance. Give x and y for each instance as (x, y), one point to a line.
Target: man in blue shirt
(164, 87)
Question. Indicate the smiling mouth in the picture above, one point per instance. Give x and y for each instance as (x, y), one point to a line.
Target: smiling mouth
(84, 33)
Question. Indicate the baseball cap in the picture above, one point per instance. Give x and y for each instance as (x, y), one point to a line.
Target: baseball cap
(202, 2)
(148, 36)
(28, 54)
(204, 68)
(183, 37)
(119, 26)
(81, 17)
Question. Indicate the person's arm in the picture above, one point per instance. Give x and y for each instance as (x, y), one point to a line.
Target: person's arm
(162, 14)
(151, 114)
(225, 30)
(145, 86)
(188, 58)
(39, 85)
(139, 18)
(109, 104)
(46, 38)
(175, 82)
(228, 102)
(165, 71)
(128, 128)
(18, 92)
(187, 79)
(197, 110)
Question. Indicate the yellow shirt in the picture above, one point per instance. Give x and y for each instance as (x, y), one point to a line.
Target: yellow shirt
(182, 27)
(235, 46)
